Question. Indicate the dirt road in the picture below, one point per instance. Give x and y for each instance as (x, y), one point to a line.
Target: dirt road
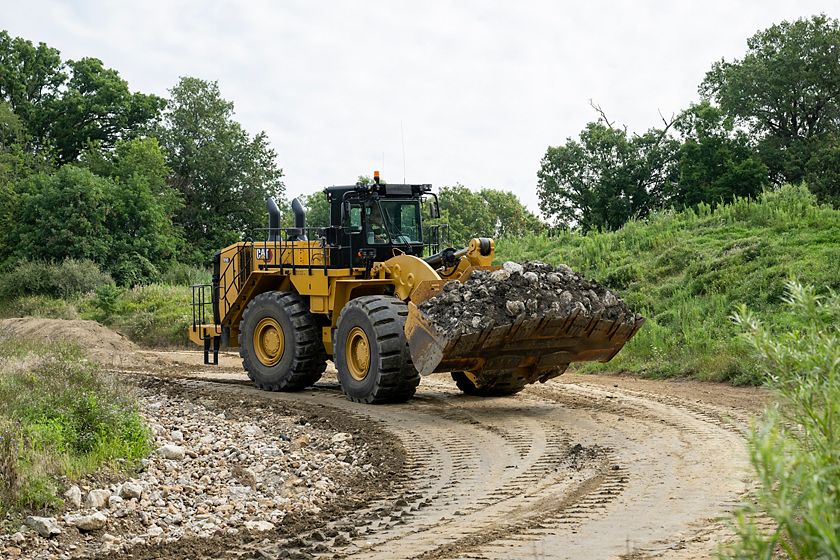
(581, 467)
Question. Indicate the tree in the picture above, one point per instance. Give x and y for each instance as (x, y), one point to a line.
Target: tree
(120, 218)
(30, 77)
(484, 213)
(606, 177)
(143, 237)
(786, 90)
(317, 210)
(223, 174)
(62, 215)
(95, 105)
(466, 214)
(65, 106)
(716, 161)
(16, 164)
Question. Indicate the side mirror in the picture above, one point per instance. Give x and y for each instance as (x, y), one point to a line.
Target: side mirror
(434, 210)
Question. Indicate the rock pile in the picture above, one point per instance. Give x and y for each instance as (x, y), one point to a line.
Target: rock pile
(530, 290)
(213, 473)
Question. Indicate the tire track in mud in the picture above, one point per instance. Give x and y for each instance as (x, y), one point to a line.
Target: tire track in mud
(559, 471)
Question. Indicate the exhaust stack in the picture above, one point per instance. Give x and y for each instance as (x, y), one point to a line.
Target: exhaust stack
(273, 219)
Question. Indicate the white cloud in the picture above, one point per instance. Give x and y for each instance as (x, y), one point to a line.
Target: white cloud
(481, 88)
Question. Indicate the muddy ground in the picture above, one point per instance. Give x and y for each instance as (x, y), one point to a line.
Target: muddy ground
(580, 467)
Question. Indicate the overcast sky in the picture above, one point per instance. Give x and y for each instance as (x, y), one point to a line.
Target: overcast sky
(480, 89)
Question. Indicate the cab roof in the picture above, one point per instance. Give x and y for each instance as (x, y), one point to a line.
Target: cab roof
(383, 189)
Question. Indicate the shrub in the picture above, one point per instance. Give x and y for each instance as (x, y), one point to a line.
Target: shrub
(106, 302)
(60, 416)
(795, 448)
(153, 315)
(39, 306)
(179, 274)
(66, 279)
(134, 269)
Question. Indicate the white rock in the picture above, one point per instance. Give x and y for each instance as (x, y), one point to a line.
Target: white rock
(92, 522)
(499, 275)
(115, 501)
(171, 451)
(259, 525)
(531, 277)
(512, 267)
(44, 526)
(18, 538)
(252, 430)
(97, 498)
(154, 531)
(514, 307)
(177, 436)
(74, 496)
(131, 490)
(239, 492)
(341, 437)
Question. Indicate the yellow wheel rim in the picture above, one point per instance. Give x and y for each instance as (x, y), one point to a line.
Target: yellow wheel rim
(269, 342)
(357, 353)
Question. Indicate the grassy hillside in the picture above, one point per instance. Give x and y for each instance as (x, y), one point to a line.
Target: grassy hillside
(687, 272)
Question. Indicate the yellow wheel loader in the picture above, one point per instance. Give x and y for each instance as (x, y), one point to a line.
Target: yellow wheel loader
(349, 292)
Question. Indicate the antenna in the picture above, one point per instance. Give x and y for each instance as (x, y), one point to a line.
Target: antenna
(402, 135)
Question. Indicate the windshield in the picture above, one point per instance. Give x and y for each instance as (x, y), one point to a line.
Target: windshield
(402, 221)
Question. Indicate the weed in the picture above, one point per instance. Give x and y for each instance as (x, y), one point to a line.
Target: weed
(63, 280)
(795, 447)
(60, 416)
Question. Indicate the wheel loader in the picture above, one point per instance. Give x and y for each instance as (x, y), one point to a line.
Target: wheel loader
(350, 292)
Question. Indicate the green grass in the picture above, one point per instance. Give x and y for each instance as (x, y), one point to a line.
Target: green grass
(795, 447)
(686, 272)
(60, 416)
(156, 315)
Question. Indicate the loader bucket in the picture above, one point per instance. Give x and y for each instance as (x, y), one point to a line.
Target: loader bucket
(531, 349)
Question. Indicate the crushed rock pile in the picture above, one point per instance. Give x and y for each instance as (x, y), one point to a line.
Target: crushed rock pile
(528, 290)
(210, 475)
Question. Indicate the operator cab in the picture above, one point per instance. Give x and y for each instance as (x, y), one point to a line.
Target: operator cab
(375, 222)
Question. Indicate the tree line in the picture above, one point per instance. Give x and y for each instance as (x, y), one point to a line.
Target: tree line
(135, 182)
(132, 181)
(768, 118)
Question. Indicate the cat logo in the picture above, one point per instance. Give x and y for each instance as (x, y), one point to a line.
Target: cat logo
(263, 254)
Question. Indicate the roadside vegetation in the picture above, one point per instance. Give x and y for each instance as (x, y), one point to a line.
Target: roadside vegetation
(60, 417)
(151, 315)
(687, 271)
(795, 447)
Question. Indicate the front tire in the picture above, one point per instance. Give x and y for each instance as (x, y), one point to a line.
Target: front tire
(371, 354)
(280, 343)
(504, 386)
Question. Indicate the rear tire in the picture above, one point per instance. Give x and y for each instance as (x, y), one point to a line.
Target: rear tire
(280, 343)
(502, 387)
(371, 353)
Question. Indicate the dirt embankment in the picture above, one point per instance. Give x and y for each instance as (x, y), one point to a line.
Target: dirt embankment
(99, 343)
